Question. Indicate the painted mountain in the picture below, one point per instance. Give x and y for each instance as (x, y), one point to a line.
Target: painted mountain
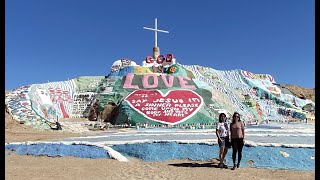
(160, 92)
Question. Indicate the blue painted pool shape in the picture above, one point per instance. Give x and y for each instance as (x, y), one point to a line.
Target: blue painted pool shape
(260, 157)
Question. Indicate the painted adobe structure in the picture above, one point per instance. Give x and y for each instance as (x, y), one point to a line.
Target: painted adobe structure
(160, 92)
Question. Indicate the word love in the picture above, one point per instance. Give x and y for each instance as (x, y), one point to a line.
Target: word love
(168, 81)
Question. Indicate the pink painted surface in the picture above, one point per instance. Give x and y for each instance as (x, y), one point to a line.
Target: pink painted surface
(183, 82)
(145, 82)
(128, 82)
(169, 82)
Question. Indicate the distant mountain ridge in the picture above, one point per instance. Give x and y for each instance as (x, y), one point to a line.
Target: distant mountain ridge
(299, 91)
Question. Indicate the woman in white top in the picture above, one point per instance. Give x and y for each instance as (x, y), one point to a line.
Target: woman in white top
(222, 132)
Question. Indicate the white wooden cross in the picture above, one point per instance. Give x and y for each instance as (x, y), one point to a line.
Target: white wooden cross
(156, 30)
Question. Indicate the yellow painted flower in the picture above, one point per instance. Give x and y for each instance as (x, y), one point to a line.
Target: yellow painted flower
(139, 70)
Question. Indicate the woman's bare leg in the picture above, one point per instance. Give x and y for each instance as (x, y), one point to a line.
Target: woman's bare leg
(221, 154)
(224, 153)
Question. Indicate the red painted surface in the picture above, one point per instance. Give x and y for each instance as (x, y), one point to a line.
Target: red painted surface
(63, 110)
(58, 95)
(173, 107)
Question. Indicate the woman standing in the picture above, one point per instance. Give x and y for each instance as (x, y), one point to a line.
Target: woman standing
(237, 136)
(222, 132)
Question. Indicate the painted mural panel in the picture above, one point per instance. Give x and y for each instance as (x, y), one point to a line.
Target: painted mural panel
(173, 107)
(265, 77)
(262, 81)
(87, 83)
(19, 105)
(121, 64)
(42, 104)
(109, 85)
(265, 88)
(81, 104)
(61, 94)
(229, 85)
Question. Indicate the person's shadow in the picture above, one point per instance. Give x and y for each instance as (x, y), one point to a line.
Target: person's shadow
(214, 163)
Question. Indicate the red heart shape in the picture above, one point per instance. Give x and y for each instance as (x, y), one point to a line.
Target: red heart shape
(172, 108)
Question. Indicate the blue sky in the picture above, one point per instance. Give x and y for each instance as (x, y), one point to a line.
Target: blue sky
(61, 39)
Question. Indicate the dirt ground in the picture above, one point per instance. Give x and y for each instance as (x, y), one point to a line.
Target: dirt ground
(15, 132)
(43, 167)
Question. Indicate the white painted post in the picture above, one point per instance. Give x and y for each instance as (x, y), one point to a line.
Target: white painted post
(156, 30)
(155, 33)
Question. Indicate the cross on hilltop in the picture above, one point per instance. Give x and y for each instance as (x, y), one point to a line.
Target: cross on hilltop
(156, 49)
(156, 30)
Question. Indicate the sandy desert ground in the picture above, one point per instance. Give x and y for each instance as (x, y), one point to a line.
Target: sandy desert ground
(43, 167)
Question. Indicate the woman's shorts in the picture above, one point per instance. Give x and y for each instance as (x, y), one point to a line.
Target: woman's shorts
(225, 142)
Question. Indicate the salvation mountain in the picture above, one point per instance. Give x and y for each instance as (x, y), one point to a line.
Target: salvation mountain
(160, 92)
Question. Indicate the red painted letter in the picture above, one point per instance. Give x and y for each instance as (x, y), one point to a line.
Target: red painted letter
(149, 59)
(169, 57)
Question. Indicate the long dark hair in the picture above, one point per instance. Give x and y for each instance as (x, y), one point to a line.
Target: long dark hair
(220, 117)
(234, 117)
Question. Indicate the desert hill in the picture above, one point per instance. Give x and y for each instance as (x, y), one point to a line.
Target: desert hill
(299, 91)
